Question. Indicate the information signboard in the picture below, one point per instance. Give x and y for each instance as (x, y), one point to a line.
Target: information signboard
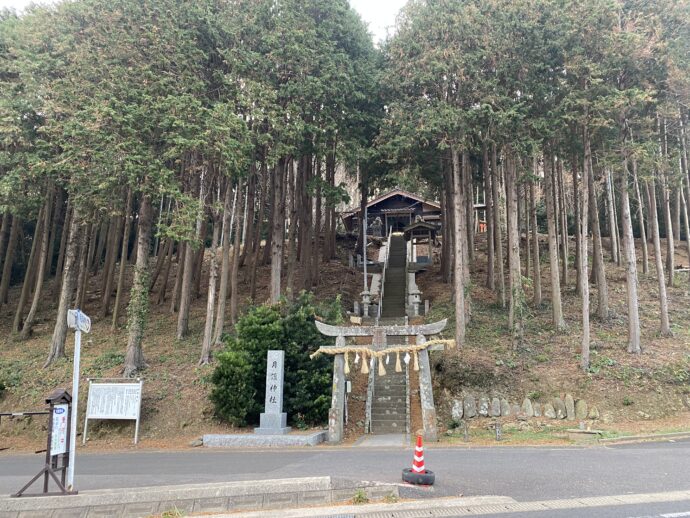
(112, 400)
(58, 440)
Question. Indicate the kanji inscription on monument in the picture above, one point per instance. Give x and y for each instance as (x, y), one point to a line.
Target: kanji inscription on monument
(273, 420)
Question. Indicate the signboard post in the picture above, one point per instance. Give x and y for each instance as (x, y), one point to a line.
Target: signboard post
(59, 445)
(114, 400)
(79, 322)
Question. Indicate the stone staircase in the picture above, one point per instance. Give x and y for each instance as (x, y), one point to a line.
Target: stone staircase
(389, 406)
(394, 287)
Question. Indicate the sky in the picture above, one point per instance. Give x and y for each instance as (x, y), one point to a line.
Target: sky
(378, 14)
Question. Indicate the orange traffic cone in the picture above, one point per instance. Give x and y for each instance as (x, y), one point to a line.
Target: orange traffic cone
(418, 459)
(418, 474)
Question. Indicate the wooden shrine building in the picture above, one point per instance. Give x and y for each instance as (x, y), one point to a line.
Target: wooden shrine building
(394, 210)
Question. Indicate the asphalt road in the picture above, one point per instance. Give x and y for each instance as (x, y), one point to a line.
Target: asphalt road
(524, 474)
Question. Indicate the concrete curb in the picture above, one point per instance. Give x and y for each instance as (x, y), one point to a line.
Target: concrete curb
(649, 437)
(195, 498)
(248, 440)
(471, 506)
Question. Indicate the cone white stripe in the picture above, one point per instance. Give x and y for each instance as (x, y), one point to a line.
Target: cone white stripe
(418, 470)
(419, 459)
(417, 448)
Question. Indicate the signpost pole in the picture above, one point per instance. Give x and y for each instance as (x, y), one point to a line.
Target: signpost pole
(75, 406)
(79, 322)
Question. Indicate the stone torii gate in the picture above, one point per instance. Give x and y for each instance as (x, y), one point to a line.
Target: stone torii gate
(379, 336)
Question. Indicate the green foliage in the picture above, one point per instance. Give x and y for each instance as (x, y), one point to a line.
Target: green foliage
(233, 392)
(599, 362)
(360, 497)
(240, 378)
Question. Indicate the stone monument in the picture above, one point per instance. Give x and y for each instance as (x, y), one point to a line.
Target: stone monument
(273, 421)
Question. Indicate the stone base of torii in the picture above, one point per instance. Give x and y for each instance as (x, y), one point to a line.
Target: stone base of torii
(378, 349)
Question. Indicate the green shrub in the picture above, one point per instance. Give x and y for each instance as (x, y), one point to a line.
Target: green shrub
(233, 393)
(240, 377)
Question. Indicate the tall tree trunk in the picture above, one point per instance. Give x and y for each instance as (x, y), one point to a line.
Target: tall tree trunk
(292, 231)
(536, 260)
(57, 343)
(229, 208)
(458, 274)
(670, 245)
(659, 263)
(447, 223)
(598, 269)
(123, 259)
(515, 313)
(560, 195)
(306, 247)
(556, 306)
(199, 258)
(179, 275)
(4, 233)
(262, 203)
(103, 234)
(640, 220)
(685, 173)
(42, 261)
(686, 222)
(611, 212)
(84, 245)
(582, 220)
(249, 206)
(9, 259)
(527, 223)
(109, 269)
(488, 204)
(270, 212)
(578, 224)
(468, 189)
(188, 270)
(57, 218)
(63, 244)
(30, 272)
(208, 341)
(160, 297)
(630, 261)
(315, 265)
(277, 226)
(498, 234)
(234, 292)
(138, 309)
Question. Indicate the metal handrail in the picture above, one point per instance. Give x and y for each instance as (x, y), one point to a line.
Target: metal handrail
(383, 275)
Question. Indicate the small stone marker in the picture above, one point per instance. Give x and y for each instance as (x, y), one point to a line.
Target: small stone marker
(537, 409)
(274, 421)
(505, 407)
(593, 413)
(581, 409)
(527, 408)
(549, 411)
(570, 407)
(484, 406)
(495, 407)
(470, 409)
(426, 307)
(559, 407)
(456, 411)
(515, 409)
